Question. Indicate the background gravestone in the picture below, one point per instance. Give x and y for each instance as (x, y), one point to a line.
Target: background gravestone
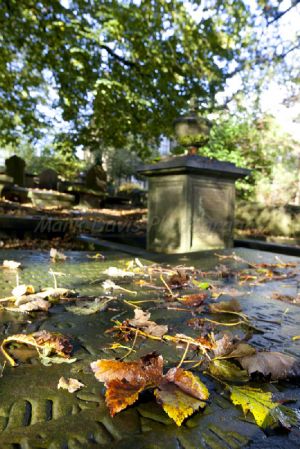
(15, 167)
(96, 178)
(48, 179)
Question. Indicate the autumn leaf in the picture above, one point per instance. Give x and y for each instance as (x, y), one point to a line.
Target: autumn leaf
(89, 307)
(22, 290)
(266, 412)
(188, 383)
(46, 344)
(11, 264)
(225, 306)
(274, 365)
(193, 300)
(120, 394)
(56, 255)
(148, 369)
(69, 384)
(141, 321)
(228, 371)
(240, 350)
(178, 280)
(179, 392)
(176, 403)
(117, 272)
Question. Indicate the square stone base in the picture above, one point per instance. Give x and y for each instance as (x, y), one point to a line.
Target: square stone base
(190, 212)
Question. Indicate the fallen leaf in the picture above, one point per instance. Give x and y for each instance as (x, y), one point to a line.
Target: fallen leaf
(22, 290)
(266, 412)
(176, 403)
(177, 280)
(286, 298)
(89, 307)
(36, 304)
(147, 369)
(228, 371)
(11, 264)
(120, 394)
(117, 272)
(57, 255)
(188, 383)
(271, 364)
(225, 306)
(141, 321)
(193, 300)
(46, 343)
(223, 345)
(69, 384)
(179, 392)
(240, 350)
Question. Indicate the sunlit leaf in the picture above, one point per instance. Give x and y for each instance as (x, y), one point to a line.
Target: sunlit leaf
(46, 344)
(266, 412)
(225, 370)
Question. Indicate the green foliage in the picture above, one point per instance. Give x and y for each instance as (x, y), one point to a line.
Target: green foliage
(64, 162)
(122, 69)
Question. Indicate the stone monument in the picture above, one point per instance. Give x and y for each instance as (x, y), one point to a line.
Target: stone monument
(15, 167)
(48, 179)
(96, 178)
(191, 198)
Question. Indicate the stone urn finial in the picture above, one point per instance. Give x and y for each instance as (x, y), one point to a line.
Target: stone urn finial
(192, 131)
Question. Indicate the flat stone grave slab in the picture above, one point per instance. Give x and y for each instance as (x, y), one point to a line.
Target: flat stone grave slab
(34, 414)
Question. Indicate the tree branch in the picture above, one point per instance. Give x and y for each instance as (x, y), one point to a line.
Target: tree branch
(282, 13)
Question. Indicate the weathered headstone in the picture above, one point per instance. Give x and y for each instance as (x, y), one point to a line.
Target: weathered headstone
(96, 178)
(15, 167)
(48, 179)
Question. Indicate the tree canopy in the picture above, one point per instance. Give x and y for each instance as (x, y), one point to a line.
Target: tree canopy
(120, 71)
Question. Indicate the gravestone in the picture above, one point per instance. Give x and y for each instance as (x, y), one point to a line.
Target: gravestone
(48, 179)
(191, 204)
(15, 167)
(96, 178)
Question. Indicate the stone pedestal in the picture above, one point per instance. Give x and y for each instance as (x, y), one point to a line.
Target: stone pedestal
(191, 204)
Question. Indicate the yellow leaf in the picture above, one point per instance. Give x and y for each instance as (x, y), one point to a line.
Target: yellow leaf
(176, 403)
(257, 402)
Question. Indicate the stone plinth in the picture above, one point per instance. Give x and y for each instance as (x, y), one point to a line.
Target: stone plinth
(191, 204)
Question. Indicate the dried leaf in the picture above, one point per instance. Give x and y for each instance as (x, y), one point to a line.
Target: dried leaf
(46, 343)
(188, 383)
(240, 350)
(228, 371)
(223, 345)
(286, 298)
(89, 307)
(11, 264)
(69, 384)
(266, 412)
(121, 393)
(117, 272)
(36, 304)
(179, 392)
(193, 300)
(176, 403)
(180, 279)
(148, 370)
(57, 255)
(225, 306)
(22, 290)
(141, 321)
(271, 364)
